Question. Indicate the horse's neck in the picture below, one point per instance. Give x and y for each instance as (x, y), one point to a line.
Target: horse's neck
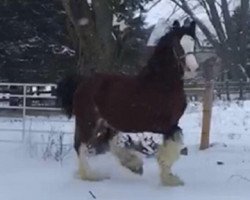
(162, 69)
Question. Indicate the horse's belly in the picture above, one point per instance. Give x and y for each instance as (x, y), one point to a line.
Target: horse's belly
(138, 114)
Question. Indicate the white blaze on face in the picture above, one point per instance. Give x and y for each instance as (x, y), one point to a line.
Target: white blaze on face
(188, 45)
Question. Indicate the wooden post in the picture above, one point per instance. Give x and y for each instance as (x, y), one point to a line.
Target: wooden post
(207, 102)
(241, 90)
(227, 90)
(207, 113)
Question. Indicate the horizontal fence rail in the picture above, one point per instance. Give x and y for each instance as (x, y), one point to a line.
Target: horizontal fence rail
(228, 90)
(28, 99)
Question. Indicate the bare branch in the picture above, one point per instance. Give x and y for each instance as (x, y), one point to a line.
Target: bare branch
(243, 31)
(186, 8)
(173, 12)
(204, 5)
(227, 18)
(215, 20)
(226, 45)
(152, 6)
(218, 3)
(244, 72)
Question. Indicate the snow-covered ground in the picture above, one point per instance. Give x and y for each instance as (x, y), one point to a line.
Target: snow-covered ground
(220, 173)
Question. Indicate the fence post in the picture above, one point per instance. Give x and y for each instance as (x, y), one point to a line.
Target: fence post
(227, 90)
(24, 110)
(207, 113)
(207, 103)
(241, 90)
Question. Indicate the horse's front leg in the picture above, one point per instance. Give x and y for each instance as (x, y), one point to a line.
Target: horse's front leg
(84, 169)
(127, 157)
(167, 155)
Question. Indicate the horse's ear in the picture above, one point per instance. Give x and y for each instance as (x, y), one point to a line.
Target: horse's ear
(176, 24)
(191, 29)
(186, 22)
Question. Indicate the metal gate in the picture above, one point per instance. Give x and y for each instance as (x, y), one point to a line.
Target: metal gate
(26, 99)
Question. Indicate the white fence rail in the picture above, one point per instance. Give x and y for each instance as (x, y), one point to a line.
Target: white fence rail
(27, 98)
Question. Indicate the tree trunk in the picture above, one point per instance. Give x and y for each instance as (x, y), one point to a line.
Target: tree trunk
(104, 29)
(243, 33)
(93, 27)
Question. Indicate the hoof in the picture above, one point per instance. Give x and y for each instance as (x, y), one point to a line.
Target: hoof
(134, 164)
(172, 180)
(91, 176)
(136, 170)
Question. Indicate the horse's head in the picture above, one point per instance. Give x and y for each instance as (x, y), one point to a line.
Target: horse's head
(173, 55)
(183, 45)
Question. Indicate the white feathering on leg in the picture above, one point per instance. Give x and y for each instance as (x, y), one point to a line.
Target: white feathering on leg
(85, 172)
(127, 157)
(169, 153)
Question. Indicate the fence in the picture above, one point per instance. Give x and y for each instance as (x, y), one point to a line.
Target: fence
(240, 90)
(228, 90)
(27, 99)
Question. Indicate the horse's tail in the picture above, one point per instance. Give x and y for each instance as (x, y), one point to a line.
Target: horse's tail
(65, 92)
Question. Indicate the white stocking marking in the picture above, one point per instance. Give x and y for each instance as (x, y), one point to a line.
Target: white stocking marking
(85, 171)
(127, 157)
(169, 153)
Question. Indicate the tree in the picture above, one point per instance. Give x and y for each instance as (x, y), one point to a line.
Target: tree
(102, 44)
(236, 17)
(222, 36)
(34, 46)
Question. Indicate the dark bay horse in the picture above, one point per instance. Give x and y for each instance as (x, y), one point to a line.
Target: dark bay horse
(152, 101)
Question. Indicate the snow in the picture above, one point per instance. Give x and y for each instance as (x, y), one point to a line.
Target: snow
(220, 173)
(161, 27)
(83, 21)
(164, 9)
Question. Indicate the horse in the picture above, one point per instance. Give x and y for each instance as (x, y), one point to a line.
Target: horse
(153, 100)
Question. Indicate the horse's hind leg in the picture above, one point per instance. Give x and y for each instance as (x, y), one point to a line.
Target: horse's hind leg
(84, 170)
(167, 154)
(127, 157)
